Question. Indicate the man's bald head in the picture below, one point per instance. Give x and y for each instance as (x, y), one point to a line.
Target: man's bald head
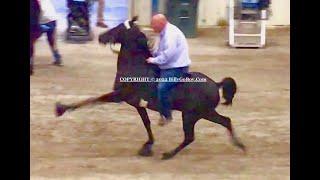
(158, 22)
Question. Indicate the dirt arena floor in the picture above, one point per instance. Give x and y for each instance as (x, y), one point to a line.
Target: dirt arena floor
(101, 142)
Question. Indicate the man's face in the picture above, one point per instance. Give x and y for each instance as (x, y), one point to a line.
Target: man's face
(156, 26)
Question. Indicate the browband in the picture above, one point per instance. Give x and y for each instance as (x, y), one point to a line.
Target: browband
(127, 24)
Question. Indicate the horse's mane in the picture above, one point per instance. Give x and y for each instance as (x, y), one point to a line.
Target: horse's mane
(139, 52)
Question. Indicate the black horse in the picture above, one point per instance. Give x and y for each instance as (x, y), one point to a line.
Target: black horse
(196, 100)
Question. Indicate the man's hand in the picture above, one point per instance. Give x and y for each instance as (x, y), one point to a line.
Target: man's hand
(150, 60)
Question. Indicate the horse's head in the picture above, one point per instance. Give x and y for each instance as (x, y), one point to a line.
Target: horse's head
(120, 33)
(134, 43)
(128, 34)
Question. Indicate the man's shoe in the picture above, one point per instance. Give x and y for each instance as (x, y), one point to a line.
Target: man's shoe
(164, 121)
(57, 59)
(102, 25)
(57, 63)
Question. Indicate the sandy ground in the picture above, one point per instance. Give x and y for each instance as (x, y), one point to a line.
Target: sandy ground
(101, 142)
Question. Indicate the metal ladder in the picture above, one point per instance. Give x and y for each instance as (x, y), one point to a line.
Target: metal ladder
(235, 35)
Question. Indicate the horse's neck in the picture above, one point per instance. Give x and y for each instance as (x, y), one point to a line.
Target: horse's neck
(139, 57)
(134, 62)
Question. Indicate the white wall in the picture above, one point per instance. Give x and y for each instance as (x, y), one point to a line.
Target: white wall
(143, 9)
(210, 11)
(281, 12)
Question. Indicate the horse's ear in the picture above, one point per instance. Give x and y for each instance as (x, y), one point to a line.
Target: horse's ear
(135, 18)
(133, 21)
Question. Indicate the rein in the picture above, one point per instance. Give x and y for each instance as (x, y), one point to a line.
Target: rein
(113, 50)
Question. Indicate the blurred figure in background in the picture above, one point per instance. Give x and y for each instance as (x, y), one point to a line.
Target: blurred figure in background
(100, 14)
(78, 18)
(34, 28)
(48, 18)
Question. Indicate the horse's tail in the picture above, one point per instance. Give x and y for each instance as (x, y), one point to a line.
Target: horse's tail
(229, 89)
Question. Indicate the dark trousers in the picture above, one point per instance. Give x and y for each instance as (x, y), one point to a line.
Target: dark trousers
(35, 34)
(165, 87)
(50, 32)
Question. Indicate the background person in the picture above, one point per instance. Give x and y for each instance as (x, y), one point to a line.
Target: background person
(100, 14)
(48, 23)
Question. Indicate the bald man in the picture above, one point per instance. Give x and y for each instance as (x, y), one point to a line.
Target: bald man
(173, 59)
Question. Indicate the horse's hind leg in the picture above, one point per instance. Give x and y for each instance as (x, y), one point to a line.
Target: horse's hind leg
(110, 97)
(213, 116)
(146, 149)
(189, 120)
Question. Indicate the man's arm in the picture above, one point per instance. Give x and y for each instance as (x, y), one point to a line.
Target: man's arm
(153, 48)
(170, 50)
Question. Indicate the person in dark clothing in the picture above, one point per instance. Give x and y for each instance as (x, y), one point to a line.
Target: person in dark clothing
(35, 31)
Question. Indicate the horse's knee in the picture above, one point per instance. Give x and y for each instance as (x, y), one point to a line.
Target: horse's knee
(227, 122)
(189, 137)
(188, 140)
(219, 119)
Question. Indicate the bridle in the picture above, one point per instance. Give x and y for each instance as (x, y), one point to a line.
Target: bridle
(111, 48)
(127, 25)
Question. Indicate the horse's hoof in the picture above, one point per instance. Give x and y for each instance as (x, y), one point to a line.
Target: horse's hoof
(146, 152)
(60, 109)
(167, 155)
(243, 148)
(240, 145)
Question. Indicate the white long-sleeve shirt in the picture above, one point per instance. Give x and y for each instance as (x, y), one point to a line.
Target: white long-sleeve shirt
(173, 50)
(48, 12)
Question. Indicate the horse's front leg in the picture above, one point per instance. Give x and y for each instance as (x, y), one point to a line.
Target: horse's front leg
(114, 96)
(146, 149)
